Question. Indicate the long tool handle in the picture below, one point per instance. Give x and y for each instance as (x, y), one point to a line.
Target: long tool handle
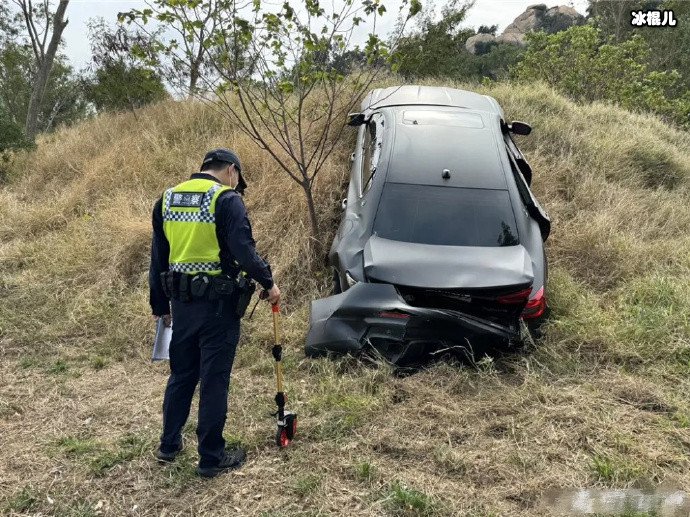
(278, 348)
(275, 309)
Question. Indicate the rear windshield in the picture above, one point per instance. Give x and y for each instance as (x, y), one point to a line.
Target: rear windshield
(446, 216)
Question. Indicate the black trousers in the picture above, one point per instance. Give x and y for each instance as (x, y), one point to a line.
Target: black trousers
(202, 351)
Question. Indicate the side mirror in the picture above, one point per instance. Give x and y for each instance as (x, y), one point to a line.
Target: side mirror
(519, 128)
(356, 119)
(343, 204)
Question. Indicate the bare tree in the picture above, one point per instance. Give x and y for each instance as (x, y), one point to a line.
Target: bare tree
(44, 43)
(278, 73)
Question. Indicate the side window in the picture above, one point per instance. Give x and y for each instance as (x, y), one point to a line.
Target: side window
(371, 151)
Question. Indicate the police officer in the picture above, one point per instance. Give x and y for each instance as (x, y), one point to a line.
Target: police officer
(202, 257)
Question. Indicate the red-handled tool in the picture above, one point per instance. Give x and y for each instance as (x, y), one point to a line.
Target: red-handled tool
(287, 420)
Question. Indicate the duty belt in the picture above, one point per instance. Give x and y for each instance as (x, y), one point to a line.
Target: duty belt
(201, 286)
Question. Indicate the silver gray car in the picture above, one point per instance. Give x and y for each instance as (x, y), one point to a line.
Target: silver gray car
(441, 242)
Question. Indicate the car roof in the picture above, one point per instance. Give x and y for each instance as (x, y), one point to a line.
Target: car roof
(407, 95)
(429, 140)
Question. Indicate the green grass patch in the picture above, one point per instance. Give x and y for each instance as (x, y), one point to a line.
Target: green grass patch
(680, 419)
(59, 367)
(78, 508)
(129, 447)
(29, 361)
(655, 310)
(181, 472)
(609, 469)
(73, 446)
(404, 501)
(365, 471)
(306, 485)
(341, 413)
(24, 501)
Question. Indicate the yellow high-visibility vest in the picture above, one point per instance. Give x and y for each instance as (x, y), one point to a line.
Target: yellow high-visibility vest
(189, 224)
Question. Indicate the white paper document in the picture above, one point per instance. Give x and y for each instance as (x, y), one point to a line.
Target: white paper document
(161, 343)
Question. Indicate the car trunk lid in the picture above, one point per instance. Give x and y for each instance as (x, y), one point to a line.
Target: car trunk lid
(446, 267)
(487, 282)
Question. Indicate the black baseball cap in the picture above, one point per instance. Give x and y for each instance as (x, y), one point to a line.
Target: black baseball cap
(227, 156)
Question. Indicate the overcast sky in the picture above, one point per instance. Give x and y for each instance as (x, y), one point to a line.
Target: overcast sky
(484, 12)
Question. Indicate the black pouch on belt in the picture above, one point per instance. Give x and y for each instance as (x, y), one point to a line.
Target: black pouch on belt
(199, 285)
(167, 283)
(184, 288)
(224, 286)
(246, 287)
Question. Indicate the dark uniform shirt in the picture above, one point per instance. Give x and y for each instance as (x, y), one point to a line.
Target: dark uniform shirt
(234, 234)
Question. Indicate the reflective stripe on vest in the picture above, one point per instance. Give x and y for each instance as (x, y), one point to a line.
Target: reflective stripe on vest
(194, 267)
(189, 225)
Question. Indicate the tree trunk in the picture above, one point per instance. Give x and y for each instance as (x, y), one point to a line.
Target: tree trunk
(312, 213)
(193, 78)
(43, 72)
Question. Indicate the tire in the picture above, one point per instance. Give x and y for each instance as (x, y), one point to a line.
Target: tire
(285, 435)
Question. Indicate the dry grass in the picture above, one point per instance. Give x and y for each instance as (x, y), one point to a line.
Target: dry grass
(604, 400)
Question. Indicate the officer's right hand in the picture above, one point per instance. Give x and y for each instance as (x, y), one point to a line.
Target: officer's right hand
(273, 295)
(167, 319)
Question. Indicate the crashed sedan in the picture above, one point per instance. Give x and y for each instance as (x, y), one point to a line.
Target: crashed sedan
(441, 242)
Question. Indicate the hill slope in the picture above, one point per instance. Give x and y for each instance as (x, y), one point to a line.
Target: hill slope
(604, 399)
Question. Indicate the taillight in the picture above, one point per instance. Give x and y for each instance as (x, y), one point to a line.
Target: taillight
(536, 306)
(515, 298)
(394, 315)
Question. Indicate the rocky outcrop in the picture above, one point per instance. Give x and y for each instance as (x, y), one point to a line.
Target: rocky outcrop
(528, 21)
(474, 43)
(536, 17)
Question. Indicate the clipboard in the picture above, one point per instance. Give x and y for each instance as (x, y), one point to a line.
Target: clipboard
(161, 343)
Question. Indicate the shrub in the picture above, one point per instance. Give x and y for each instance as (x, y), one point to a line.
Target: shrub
(581, 64)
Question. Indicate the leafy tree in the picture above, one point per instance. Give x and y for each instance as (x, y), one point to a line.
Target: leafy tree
(613, 18)
(669, 46)
(497, 62)
(62, 101)
(9, 28)
(44, 29)
(437, 49)
(120, 79)
(579, 63)
(276, 72)
(11, 134)
(182, 51)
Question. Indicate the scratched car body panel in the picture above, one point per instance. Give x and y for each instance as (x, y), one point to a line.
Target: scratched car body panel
(441, 242)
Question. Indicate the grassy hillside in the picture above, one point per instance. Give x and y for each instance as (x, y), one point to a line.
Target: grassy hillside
(603, 400)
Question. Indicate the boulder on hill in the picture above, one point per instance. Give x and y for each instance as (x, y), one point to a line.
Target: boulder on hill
(536, 17)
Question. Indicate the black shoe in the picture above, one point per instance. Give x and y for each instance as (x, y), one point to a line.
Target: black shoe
(231, 460)
(168, 457)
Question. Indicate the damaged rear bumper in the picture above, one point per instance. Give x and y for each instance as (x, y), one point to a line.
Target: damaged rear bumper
(375, 314)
